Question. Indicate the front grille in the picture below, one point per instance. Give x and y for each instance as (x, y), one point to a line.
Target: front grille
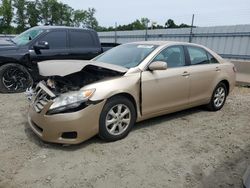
(42, 97)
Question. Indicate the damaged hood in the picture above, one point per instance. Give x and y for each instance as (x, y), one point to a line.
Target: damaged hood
(67, 67)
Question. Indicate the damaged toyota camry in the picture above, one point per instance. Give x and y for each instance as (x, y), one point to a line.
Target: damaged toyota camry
(130, 83)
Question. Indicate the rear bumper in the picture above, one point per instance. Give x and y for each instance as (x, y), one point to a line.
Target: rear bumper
(50, 128)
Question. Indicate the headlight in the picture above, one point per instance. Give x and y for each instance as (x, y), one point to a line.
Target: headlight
(72, 99)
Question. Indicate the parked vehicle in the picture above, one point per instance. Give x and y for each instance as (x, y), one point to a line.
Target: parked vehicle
(19, 56)
(126, 84)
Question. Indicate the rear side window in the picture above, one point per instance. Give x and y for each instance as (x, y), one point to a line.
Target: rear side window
(173, 56)
(56, 39)
(198, 56)
(80, 39)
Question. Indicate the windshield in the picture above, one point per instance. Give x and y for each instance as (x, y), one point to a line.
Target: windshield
(127, 55)
(25, 37)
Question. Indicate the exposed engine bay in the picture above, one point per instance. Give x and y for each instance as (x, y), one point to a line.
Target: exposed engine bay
(77, 80)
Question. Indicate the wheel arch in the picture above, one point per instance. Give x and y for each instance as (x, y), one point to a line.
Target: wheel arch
(226, 82)
(129, 97)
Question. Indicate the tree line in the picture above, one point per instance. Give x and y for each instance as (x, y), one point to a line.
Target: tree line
(19, 15)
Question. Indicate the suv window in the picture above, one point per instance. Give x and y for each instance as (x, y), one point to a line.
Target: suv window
(79, 39)
(174, 56)
(197, 55)
(56, 39)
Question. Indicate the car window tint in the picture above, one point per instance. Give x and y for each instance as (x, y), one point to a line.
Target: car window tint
(197, 56)
(56, 39)
(79, 39)
(173, 56)
(212, 59)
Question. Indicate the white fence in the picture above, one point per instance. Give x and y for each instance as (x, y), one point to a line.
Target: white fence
(228, 41)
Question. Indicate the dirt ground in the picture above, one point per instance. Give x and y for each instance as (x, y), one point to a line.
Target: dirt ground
(192, 148)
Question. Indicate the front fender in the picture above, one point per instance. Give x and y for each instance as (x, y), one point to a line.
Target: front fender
(129, 84)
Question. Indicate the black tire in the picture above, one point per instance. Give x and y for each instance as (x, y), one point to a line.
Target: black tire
(104, 133)
(14, 78)
(212, 106)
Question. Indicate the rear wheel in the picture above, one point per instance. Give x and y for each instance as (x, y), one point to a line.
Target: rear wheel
(218, 98)
(117, 118)
(14, 78)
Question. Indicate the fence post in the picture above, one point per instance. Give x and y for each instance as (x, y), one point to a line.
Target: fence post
(191, 30)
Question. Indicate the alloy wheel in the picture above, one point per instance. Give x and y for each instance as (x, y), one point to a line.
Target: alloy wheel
(219, 97)
(118, 119)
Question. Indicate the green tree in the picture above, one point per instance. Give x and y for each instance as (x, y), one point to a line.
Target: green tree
(33, 13)
(79, 17)
(66, 13)
(20, 16)
(43, 8)
(7, 16)
(145, 22)
(170, 24)
(90, 20)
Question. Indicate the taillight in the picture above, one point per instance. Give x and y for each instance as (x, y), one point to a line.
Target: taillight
(234, 69)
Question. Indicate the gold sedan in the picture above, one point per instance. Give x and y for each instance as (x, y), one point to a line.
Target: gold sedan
(126, 84)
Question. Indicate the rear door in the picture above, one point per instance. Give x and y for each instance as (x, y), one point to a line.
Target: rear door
(203, 69)
(83, 45)
(166, 90)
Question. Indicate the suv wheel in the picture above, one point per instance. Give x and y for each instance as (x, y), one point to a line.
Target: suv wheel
(14, 78)
(117, 118)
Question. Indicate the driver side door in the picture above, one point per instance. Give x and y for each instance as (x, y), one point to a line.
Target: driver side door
(166, 90)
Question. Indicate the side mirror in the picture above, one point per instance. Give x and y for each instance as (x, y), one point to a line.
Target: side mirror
(158, 65)
(41, 45)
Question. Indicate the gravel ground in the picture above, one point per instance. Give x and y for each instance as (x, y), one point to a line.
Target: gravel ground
(192, 148)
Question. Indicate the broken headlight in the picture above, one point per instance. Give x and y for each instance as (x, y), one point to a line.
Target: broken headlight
(71, 100)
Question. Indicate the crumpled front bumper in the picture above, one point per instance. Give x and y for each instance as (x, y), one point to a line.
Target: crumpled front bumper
(50, 128)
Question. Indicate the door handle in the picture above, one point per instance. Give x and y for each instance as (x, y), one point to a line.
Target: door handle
(185, 73)
(217, 69)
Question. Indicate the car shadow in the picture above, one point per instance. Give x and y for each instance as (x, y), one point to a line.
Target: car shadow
(32, 137)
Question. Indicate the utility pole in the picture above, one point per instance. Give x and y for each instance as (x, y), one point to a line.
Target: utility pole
(146, 34)
(191, 30)
(115, 32)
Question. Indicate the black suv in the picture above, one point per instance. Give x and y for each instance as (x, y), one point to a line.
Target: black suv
(19, 55)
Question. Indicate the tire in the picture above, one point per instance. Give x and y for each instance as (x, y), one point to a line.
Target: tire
(14, 78)
(113, 127)
(218, 98)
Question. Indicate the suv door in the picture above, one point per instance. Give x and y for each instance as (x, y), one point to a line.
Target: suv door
(166, 90)
(57, 41)
(203, 69)
(82, 45)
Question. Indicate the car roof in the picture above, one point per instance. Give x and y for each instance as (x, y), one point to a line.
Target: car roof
(164, 43)
(62, 27)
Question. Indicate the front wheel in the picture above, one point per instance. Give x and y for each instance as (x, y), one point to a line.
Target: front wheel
(117, 118)
(14, 78)
(218, 98)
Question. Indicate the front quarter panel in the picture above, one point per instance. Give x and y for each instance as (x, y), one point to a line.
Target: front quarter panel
(129, 84)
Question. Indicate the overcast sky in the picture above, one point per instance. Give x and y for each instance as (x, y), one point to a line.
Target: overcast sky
(207, 13)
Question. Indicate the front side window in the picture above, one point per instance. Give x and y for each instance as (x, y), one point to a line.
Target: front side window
(197, 55)
(173, 56)
(80, 39)
(56, 39)
(127, 55)
(27, 36)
